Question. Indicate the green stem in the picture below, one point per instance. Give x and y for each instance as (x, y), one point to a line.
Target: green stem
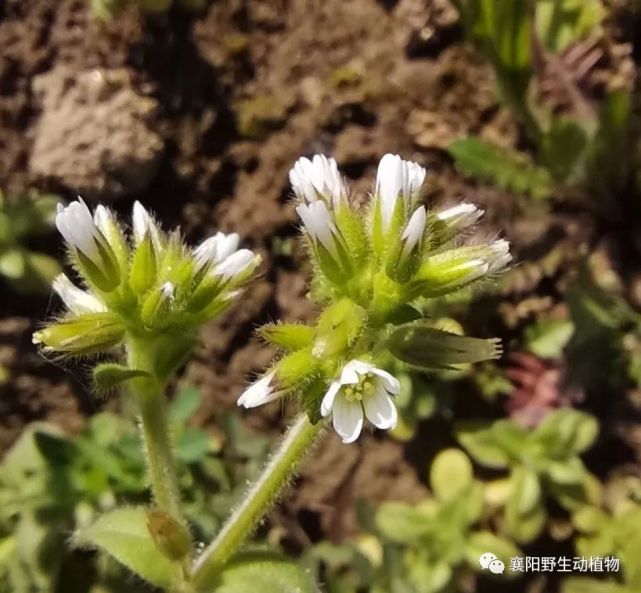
(259, 499)
(155, 433)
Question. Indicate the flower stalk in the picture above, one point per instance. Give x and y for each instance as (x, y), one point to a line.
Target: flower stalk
(259, 499)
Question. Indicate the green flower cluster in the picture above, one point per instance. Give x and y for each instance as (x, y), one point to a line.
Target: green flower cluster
(374, 269)
(149, 290)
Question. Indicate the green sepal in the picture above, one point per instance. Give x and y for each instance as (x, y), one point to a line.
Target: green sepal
(109, 375)
(124, 534)
(205, 294)
(293, 369)
(335, 268)
(105, 277)
(338, 327)
(352, 229)
(423, 346)
(144, 266)
(266, 572)
(84, 334)
(155, 307)
(171, 537)
(311, 396)
(448, 272)
(288, 336)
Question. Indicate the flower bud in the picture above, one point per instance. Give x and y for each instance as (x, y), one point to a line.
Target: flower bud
(95, 256)
(86, 334)
(431, 348)
(170, 537)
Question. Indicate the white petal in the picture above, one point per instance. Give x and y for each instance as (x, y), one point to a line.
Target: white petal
(414, 230)
(416, 178)
(143, 223)
(389, 185)
(352, 371)
(76, 225)
(260, 392)
(347, 419)
(461, 216)
(317, 179)
(390, 382)
(217, 248)
(226, 244)
(236, 264)
(501, 256)
(103, 219)
(168, 290)
(318, 223)
(328, 399)
(76, 300)
(380, 410)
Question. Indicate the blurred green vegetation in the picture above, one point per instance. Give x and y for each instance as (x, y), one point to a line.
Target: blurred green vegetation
(544, 55)
(52, 484)
(22, 220)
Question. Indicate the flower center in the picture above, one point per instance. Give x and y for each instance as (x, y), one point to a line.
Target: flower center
(364, 388)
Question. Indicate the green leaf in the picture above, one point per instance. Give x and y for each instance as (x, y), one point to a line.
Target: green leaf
(478, 440)
(428, 347)
(524, 512)
(567, 432)
(480, 542)
(548, 338)
(124, 534)
(264, 572)
(564, 148)
(506, 169)
(109, 375)
(184, 406)
(588, 585)
(193, 445)
(401, 522)
(55, 449)
(450, 474)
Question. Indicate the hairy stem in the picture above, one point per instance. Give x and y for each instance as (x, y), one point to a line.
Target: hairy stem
(155, 433)
(258, 500)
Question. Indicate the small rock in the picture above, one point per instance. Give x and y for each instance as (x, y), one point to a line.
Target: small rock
(96, 135)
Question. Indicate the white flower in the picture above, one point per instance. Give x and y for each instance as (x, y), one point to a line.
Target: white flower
(500, 256)
(461, 216)
(317, 179)
(77, 226)
(168, 290)
(361, 391)
(143, 223)
(103, 219)
(260, 392)
(76, 300)
(215, 249)
(396, 179)
(319, 224)
(414, 230)
(238, 264)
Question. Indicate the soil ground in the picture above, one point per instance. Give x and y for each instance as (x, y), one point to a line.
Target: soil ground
(226, 101)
